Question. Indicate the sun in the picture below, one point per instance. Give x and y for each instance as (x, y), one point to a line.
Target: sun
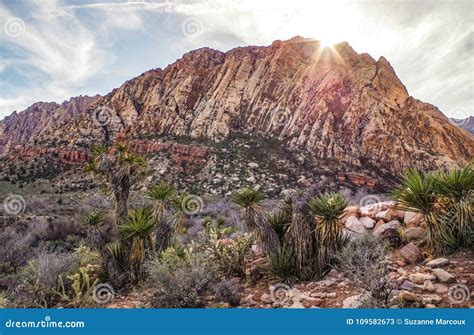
(327, 42)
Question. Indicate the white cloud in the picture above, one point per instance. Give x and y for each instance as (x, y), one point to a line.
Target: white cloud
(77, 47)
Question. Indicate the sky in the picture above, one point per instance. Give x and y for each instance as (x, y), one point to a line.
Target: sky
(51, 50)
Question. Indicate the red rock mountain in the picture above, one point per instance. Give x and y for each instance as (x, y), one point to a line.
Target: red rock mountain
(333, 103)
(20, 128)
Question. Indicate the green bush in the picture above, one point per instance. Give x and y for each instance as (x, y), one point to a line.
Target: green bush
(178, 278)
(229, 255)
(364, 262)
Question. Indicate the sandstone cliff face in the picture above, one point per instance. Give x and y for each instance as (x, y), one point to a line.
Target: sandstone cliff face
(333, 103)
(20, 128)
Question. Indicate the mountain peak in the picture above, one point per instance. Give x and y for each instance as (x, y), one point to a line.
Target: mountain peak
(334, 104)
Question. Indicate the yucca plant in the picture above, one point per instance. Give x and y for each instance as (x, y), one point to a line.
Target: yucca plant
(116, 262)
(300, 236)
(456, 191)
(279, 222)
(178, 203)
(283, 264)
(328, 210)
(162, 196)
(120, 170)
(254, 219)
(136, 233)
(93, 222)
(417, 193)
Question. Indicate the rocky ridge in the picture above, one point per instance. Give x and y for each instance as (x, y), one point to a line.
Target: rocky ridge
(347, 111)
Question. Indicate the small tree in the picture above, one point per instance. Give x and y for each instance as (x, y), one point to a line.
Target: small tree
(120, 169)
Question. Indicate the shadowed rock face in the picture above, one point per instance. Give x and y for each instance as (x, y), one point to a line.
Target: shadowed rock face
(467, 124)
(333, 103)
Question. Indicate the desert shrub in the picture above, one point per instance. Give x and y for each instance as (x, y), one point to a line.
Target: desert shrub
(14, 251)
(70, 243)
(364, 262)
(58, 279)
(228, 291)
(77, 289)
(179, 278)
(228, 254)
(44, 277)
(282, 264)
(61, 227)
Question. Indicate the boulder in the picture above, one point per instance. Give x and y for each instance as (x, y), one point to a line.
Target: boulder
(412, 219)
(444, 276)
(386, 215)
(372, 209)
(354, 225)
(420, 278)
(407, 285)
(431, 298)
(440, 288)
(409, 296)
(438, 263)
(367, 222)
(411, 253)
(351, 211)
(354, 301)
(253, 165)
(392, 236)
(428, 286)
(379, 229)
(414, 233)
